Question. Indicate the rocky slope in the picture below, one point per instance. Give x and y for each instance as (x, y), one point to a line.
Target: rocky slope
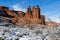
(40, 32)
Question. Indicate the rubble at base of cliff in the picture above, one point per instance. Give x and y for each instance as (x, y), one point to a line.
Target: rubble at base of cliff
(40, 32)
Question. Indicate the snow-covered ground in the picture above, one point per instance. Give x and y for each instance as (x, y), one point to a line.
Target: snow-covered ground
(38, 33)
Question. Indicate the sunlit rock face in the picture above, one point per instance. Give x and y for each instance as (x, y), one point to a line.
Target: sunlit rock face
(31, 15)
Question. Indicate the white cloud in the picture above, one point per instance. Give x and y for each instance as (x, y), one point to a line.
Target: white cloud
(54, 19)
(18, 8)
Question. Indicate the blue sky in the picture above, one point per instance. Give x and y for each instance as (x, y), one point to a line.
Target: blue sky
(49, 8)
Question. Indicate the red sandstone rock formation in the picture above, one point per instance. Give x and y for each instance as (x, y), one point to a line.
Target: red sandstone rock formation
(9, 12)
(4, 11)
(2, 8)
(42, 19)
(30, 15)
(20, 14)
(36, 12)
(51, 24)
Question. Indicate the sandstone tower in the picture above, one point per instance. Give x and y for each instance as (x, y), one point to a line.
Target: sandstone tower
(36, 12)
(28, 13)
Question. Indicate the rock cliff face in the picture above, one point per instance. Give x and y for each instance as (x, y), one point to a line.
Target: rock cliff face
(31, 15)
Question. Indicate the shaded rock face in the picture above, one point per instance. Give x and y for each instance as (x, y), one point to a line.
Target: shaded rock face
(42, 19)
(31, 15)
(4, 11)
(2, 8)
(10, 13)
